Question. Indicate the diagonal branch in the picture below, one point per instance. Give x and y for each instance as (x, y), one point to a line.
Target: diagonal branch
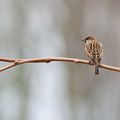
(7, 67)
(15, 62)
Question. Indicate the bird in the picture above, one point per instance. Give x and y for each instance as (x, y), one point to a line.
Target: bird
(94, 51)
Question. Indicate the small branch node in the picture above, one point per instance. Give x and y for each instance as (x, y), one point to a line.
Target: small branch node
(17, 62)
(48, 61)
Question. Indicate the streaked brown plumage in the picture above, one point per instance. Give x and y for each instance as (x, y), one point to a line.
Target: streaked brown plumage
(94, 51)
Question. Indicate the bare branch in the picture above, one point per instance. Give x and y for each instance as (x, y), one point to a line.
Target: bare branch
(50, 59)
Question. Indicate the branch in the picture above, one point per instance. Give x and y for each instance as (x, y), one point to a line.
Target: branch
(15, 62)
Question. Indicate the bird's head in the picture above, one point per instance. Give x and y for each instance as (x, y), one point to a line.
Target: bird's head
(89, 38)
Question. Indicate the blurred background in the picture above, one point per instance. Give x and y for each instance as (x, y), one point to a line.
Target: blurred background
(59, 90)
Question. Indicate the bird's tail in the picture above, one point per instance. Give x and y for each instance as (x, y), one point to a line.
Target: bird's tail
(96, 69)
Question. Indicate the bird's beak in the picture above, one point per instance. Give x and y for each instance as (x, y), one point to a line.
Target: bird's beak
(84, 40)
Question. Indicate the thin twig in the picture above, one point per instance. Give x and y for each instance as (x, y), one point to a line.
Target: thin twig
(7, 67)
(16, 62)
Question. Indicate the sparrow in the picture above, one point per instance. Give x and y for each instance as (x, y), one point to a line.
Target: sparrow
(94, 51)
